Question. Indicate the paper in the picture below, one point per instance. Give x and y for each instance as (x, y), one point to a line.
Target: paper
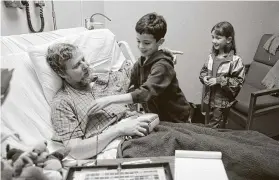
(199, 165)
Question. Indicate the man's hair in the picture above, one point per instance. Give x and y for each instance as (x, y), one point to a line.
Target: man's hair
(153, 24)
(58, 54)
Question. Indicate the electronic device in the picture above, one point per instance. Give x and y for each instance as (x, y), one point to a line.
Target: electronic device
(147, 171)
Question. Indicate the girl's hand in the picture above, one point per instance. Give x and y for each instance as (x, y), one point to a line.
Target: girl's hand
(99, 104)
(212, 82)
(206, 80)
(172, 53)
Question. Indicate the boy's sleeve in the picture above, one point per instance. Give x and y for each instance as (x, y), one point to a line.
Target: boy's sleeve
(132, 79)
(158, 80)
(64, 121)
(233, 83)
(204, 71)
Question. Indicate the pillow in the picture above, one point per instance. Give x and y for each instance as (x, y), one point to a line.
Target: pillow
(25, 112)
(20, 43)
(271, 80)
(99, 47)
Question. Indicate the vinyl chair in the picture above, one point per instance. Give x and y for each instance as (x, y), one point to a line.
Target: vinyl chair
(256, 109)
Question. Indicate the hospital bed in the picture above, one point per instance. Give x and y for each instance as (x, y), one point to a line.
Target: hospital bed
(25, 118)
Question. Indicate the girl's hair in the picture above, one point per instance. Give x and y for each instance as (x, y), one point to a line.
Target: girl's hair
(225, 29)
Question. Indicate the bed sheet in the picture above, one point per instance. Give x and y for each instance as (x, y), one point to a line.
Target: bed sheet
(25, 116)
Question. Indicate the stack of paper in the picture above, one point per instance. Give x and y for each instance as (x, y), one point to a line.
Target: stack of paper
(199, 165)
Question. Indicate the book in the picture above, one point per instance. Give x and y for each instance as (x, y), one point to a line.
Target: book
(199, 165)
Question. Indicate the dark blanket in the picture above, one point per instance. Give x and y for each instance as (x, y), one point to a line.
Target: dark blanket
(245, 154)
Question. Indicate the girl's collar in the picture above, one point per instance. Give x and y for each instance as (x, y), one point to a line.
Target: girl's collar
(227, 57)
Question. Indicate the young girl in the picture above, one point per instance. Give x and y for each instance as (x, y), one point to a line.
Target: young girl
(222, 74)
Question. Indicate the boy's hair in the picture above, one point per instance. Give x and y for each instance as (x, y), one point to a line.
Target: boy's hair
(58, 54)
(153, 24)
(225, 28)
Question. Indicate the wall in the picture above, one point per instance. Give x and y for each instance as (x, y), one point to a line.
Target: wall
(14, 21)
(189, 26)
(69, 14)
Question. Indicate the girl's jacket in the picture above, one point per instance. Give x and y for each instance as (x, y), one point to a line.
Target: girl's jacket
(230, 77)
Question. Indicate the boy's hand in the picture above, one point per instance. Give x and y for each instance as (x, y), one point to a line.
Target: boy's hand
(212, 82)
(99, 104)
(172, 53)
(134, 126)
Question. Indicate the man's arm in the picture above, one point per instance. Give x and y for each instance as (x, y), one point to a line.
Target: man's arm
(87, 148)
(69, 130)
(106, 101)
(158, 80)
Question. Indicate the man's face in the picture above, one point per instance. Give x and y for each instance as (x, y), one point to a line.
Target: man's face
(147, 44)
(77, 70)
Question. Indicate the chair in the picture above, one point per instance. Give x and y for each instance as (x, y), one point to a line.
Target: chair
(256, 108)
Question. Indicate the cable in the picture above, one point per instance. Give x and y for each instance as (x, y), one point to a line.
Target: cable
(98, 125)
(72, 133)
(98, 130)
(26, 3)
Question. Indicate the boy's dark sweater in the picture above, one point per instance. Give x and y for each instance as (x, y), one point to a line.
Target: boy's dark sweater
(156, 88)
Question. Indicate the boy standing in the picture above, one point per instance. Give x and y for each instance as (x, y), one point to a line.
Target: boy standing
(153, 81)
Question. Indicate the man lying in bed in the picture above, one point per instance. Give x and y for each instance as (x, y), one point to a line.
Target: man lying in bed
(246, 154)
(71, 122)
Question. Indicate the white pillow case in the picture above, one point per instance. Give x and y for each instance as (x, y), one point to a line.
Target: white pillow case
(99, 47)
(20, 43)
(25, 111)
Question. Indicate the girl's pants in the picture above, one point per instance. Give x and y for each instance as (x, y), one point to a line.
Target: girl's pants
(216, 117)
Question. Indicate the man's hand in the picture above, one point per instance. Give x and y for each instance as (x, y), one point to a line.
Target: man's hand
(133, 126)
(99, 104)
(212, 82)
(172, 53)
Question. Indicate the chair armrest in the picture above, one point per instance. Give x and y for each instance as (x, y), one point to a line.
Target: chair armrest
(265, 92)
(253, 100)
